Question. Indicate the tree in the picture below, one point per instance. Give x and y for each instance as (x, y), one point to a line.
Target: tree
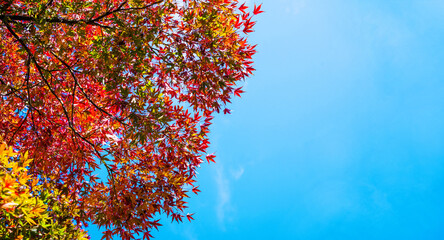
(127, 86)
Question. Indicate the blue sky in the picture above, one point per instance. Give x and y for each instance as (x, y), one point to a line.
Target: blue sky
(340, 134)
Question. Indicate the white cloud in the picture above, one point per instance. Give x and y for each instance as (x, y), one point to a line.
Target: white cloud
(237, 174)
(223, 191)
(225, 208)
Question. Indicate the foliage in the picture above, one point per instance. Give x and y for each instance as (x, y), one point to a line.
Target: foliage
(126, 86)
(29, 211)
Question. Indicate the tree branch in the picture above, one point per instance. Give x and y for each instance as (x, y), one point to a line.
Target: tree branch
(120, 9)
(39, 68)
(84, 93)
(73, 21)
(51, 20)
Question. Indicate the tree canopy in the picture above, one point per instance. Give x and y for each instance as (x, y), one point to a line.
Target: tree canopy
(130, 87)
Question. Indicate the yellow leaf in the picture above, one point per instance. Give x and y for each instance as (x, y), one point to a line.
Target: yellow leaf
(8, 182)
(37, 211)
(11, 152)
(24, 179)
(2, 148)
(26, 160)
(34, 182)
(29, 220)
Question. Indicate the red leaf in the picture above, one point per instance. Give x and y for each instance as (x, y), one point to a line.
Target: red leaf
(196, 190)
(147, 235)
(243, 7)
(211, 157)
(189, 216)
(238, 91)
(257, 9)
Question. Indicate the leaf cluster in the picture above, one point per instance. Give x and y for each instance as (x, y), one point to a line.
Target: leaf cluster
(27, 210)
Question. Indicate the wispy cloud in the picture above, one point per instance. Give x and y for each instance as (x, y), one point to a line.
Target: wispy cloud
(223, 190)
(237, 174)
(224, 208)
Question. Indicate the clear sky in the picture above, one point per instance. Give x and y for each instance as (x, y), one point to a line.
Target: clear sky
(340, 134)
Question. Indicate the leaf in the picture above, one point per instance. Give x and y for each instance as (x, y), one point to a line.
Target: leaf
(257, 9)
(210, 157)
(189, 217)
(238, 92)
(243, 7)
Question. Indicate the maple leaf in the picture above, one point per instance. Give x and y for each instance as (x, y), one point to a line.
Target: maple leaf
(8, 183)
(196, 190)
(238, 91)
(257, 9)
(210, 157)
(189, 216)
(243, 7)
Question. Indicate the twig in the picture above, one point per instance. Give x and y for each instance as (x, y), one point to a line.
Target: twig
(58, 99)
(73, 21)
(84, 93)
